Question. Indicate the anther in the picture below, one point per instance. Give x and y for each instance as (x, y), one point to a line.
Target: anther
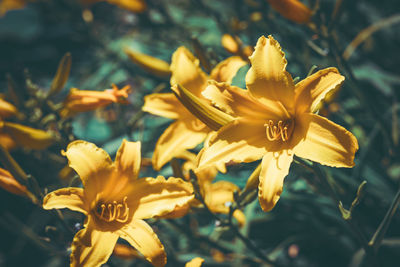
(276, 131)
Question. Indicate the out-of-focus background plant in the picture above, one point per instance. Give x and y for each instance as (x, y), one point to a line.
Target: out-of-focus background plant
(122, 50)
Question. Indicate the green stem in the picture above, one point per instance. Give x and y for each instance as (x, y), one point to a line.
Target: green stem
(377, 238)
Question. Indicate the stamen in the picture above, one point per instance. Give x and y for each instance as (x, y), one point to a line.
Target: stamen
(112, 211)
(277, 131)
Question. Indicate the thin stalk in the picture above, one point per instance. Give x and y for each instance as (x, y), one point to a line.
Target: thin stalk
(377, 238)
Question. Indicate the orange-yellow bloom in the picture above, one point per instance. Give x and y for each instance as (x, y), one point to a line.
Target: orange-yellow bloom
(292, 9)
(6, 109)
(85, 100)
(25, 136)
(8, 183)
(274, 120)
(187, 131)
(136, 6)
(7, 5)
(115, 202)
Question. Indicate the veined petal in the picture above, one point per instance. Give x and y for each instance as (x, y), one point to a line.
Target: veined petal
(312, 90)
(324, 141)
(196, 262)
(240, 103)
(90, 162)
(178, 137)
(91, 247)
(227, 69)
(274, 168)
(164, 105)
(267, 79)
(142, 237)
(239, 141)
(127, 160)
(158, 197)
(292, 9)
(71, 198)
(219, 195)
(187, 72)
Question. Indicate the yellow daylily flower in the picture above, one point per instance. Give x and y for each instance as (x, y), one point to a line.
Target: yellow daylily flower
(6, 109)
(195, 262)
(274, 120)
(85, 100)
(187, 131)
(293, 10)
(115, 202)
(217, 196)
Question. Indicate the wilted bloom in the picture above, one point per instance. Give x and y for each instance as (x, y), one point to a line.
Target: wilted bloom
(115, 202)
(6, 109)
(292, 9)
(26, 136)
(85, 100)
(151, 64)
(187, 131)
(196, 262)
(275, 120)
(218, 196)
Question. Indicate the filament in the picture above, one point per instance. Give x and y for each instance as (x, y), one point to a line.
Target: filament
(277, 131)
(115, 211)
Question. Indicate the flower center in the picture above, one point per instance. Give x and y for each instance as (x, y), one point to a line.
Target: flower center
(114, 211)
(280, 130)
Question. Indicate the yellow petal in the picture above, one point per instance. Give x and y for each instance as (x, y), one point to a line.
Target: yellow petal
(187, 72)
(8, 183)
(71, 198)
(142, 237)
(151, 64)
(292, 9)
(267, 79)
(6, 109)
(92, 248)
(179, 136)
(312, 90)
(92, 164)
(196, 262)
(164, 105)
(239, 141)
(158, 197)
(28, 137)
(227, 69)
(240, 103)
(128, 159)
(324, 142)
(274, 168)
(135, 6)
